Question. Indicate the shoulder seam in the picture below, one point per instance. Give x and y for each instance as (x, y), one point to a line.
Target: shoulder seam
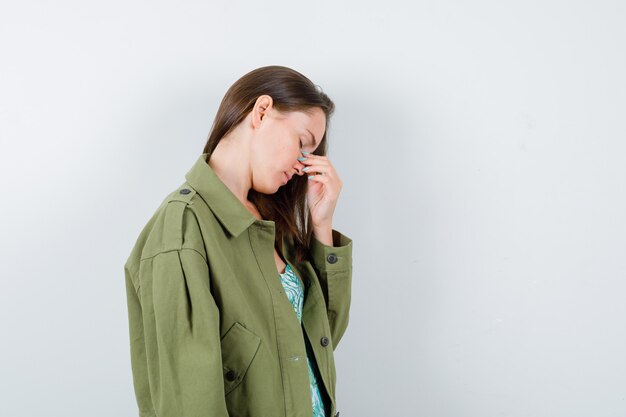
(174, 250)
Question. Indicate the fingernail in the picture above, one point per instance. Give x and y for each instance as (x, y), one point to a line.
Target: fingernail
(302, 158)
(305, 169)
(311, 176)
(304, 152)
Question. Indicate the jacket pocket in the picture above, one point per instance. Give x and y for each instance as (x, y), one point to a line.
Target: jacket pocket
(239, 347)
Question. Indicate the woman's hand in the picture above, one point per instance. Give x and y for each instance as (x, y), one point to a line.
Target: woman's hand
(323, 190)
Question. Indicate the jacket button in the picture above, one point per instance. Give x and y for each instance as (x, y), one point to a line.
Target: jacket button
(185, 191)
(324, 341)
(332, 258)
(231, 375)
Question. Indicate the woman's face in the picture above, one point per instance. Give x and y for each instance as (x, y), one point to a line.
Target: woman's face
(277, 143)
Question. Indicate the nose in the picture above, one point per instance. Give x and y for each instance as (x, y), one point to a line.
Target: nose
(298, 168)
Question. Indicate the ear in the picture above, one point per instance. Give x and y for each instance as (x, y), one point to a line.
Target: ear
(262, 107)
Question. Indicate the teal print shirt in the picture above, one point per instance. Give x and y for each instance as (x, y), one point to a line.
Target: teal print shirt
(295, 292)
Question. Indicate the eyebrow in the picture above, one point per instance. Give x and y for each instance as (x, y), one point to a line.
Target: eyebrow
(312, 137)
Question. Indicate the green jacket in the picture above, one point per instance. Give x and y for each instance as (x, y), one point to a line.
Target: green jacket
(212, 333)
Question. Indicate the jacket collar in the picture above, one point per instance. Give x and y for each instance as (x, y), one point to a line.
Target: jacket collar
(231, 212)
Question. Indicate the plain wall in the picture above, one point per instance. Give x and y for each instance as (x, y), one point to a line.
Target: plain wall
(482, 150)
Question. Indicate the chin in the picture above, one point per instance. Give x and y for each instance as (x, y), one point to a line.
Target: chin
(269, 187)
(267, 190)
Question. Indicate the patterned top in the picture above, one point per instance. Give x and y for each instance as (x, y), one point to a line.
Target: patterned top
(295, 293)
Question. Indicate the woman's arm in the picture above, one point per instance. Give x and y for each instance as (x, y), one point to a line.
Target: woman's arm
(174, 337)
(333, 264)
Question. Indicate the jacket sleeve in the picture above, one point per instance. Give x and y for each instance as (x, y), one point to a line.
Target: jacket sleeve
(174, 335)
(333, 265)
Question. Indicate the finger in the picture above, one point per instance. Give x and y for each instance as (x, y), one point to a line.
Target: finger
(313, 156)
(317, 168)
(320, 178)
(315, 161)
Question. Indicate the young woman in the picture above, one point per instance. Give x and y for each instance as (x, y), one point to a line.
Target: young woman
(216, 327)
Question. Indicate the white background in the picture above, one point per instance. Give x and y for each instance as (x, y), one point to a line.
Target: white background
(482, 149)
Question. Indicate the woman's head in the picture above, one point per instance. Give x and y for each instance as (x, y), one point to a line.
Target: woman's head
(281, 106)
(277, 140)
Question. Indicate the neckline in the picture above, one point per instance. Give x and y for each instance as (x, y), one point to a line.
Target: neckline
(287, 267)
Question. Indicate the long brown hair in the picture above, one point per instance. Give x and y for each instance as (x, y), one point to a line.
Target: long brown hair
(290, 91)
